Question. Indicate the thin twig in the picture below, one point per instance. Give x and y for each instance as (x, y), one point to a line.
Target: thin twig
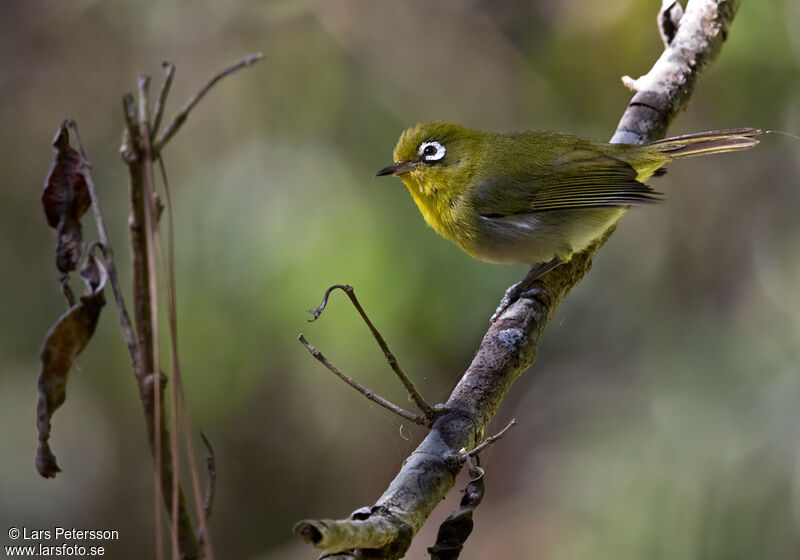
(174, 403)
(151, 223)
(178, 401)
(143, 82)
(158, 112)
(413, 393)
(175, 450)
(129, 110)
(203, 532)
(490, 440)
(416, 418)
(137, 152)
(130, 151)
(211, 471)
(107, 251)
(180, 118)
(174, 406)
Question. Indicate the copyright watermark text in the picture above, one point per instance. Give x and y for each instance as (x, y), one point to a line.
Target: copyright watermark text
(68, 542)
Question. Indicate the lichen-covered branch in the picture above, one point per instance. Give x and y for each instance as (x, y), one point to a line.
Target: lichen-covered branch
(376, 532)
(667, 87)
(509, 347)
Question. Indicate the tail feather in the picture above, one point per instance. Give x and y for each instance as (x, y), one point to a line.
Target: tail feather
(702, 143)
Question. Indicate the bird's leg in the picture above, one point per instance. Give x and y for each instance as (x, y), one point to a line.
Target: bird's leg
(523, 287)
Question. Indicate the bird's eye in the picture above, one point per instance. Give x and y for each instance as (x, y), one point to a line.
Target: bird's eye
(431, 151)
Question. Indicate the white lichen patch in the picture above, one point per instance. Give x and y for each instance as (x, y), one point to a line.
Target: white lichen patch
(511, 338)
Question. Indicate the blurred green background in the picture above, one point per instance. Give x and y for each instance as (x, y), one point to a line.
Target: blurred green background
(661, 420)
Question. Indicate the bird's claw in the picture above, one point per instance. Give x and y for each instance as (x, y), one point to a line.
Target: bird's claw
(512, 294)
(525, 287)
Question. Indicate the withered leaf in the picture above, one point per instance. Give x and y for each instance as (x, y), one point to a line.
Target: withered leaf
(65, 340)
(70, 243)
(65, 199)
(454, 530)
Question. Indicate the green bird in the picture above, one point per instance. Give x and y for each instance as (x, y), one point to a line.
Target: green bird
(535, 197)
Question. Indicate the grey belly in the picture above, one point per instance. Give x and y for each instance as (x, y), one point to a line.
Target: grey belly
(542, 236)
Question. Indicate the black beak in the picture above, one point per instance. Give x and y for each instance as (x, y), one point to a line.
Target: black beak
(398, 168)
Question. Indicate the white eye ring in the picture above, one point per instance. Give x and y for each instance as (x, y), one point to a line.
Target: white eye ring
(427, 154)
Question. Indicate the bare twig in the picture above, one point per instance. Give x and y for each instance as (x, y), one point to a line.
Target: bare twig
(149, 377)
(416, 418)
(150, 380)
(132, 126)
(151, 223)
(180, 118)
(131, 154)
(166, 456)
(158, 113)
(174, 401)
(211, 472)
(143, 83)
(490, 440)
(107, 251)
(180, 418)
(175, 451)
(413, 393)
(203, 534)
(139, 152)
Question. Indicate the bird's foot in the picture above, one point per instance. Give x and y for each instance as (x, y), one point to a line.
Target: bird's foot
(525, 287)
(515, 292)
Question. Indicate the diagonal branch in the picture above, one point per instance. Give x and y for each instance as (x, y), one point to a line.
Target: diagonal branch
(158, 112)
(377, 399)
(510, 345)
(413, 392)
(183, 114)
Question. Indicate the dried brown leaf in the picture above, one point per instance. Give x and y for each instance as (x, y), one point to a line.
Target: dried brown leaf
(65, 340)
(65, 199)
(454, 531)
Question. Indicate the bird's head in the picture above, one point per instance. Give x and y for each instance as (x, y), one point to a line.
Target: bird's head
(435, 158)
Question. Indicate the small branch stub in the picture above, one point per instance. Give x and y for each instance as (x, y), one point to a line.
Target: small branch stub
(387, 538)
(158, 114)
(490, 440)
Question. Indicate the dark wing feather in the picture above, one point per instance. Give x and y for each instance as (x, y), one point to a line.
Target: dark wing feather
(581, 179)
